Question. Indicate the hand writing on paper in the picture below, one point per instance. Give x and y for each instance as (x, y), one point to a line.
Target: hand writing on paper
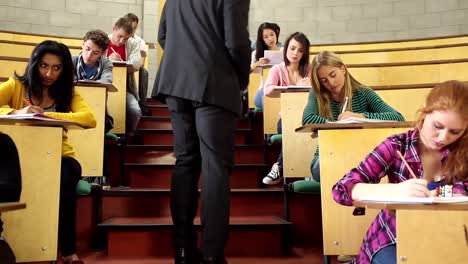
(115, 57)
(349, 114)
(412, 188)
(30, 109)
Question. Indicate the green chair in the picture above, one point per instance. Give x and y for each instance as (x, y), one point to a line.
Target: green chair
(83, 188)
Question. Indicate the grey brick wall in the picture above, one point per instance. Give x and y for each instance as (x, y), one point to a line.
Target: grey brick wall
(337, 21)
(323, 21)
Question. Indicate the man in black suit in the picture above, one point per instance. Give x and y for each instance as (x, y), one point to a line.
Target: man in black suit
(204, 68)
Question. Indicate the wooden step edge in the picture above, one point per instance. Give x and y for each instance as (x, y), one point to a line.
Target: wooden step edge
(126, 223)
(127, 191)
(155, 118)
(258, 165)
(239, 146)
(160, 130)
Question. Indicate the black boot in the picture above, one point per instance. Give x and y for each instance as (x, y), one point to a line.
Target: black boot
(186, 256)
(214, 260)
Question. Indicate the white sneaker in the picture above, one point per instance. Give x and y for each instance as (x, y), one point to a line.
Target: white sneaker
(274, 176)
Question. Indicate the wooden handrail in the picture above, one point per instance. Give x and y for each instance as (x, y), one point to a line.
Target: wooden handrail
(410, 63)
(391, 41)
(150, 44)
(394, 49)
(31, 43)
(38, 35)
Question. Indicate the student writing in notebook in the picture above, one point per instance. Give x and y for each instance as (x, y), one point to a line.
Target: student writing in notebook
(48, 87)
(267, 39)
(293, 71)
(336, 95)
(435, 150)
(122, 47)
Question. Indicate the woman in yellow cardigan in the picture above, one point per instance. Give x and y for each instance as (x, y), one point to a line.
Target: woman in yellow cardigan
(47, 87)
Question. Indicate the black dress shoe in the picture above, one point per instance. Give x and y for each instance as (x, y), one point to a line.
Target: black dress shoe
(214, 260)
(186, 256)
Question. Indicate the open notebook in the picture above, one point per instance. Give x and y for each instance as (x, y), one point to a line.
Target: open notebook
(352, 120)
(292, 87)
(41, 117)
(417, 200)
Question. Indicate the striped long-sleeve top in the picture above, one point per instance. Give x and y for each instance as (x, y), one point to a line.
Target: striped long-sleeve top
(384, 161)
(365, 101)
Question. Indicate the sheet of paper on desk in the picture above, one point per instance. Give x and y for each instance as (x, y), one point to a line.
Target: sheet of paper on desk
(417, 200)
(33, 117)
(292, 87)
(275, 56)
(352, 120)
(87, 81)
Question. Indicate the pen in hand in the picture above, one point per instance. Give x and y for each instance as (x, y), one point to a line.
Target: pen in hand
(113, 51)
(345, 104)
(407, 165)
(27, 101)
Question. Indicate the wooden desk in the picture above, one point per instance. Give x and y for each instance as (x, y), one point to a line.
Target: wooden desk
(32, 233)
(342, 147)
(116, 102)
(89, 144)
(298, 148)
(272, 108)
(429, 233)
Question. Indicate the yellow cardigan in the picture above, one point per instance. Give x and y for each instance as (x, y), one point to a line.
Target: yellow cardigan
(11, 98)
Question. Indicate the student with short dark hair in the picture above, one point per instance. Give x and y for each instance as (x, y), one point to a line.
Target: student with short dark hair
(47, 87)
(91, 63)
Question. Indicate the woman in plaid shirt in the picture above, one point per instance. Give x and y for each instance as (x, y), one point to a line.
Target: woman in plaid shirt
(436, 150)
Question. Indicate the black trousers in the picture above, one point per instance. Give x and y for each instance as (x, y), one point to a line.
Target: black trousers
(70, 174)
(204, 137)
(280, 156)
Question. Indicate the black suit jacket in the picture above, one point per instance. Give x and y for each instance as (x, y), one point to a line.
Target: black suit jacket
(206, 51)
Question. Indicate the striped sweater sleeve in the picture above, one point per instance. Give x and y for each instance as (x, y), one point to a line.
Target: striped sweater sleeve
(377, 108)
(310, 115)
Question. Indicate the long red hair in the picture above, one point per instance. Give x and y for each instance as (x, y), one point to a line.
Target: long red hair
(453, 96)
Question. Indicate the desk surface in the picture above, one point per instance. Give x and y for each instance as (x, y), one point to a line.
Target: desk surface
(327, 126)
(398, 206)
(5, 207)
(32, 122)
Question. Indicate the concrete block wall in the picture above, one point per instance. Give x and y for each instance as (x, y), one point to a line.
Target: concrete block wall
(338, 21)
(323, 21)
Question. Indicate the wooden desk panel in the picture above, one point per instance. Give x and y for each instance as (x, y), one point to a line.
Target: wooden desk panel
(89, 143)
(117, 101)
(343, 232)
(33, 232)
(432, 236)
(298, 148)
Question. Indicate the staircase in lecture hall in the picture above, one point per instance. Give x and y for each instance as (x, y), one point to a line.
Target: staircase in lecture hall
(136, 217)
